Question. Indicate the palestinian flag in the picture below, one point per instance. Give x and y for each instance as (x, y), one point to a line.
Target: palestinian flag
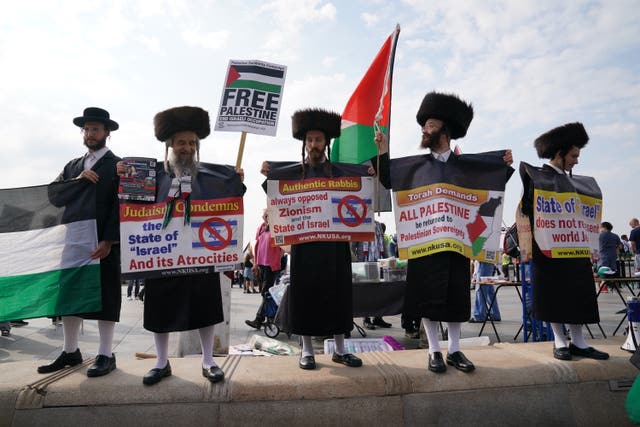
(368, 108)
(253, 76)
(47, 235)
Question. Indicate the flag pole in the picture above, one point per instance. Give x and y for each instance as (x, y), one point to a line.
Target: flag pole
(385, 88)
(243, 137)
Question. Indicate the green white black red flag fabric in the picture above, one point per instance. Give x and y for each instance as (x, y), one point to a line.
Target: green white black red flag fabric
(454, 206)
(368, 107)
(47, 235)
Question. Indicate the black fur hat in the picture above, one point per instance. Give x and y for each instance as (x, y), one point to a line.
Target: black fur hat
(456, 113)
(561, 138)
(178, 119)
(303, 121)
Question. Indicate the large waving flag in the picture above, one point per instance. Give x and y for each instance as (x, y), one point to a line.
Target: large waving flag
(368, 108)
(47, 235)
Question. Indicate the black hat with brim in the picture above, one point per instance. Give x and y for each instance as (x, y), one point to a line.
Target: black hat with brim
(561, 138)
(95, 114)
(453, 111)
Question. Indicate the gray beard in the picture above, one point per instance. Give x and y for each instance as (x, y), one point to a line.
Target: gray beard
(182, 167)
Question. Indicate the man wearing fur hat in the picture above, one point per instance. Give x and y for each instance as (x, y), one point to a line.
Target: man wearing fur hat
(564, 289)
(438, 284)
(194, 301)
(320, 299)
(97, 167)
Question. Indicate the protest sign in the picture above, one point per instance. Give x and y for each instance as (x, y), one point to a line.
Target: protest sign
(320, 209)
(566, 212)
(251, 98)
(454, 206)
(213, 238)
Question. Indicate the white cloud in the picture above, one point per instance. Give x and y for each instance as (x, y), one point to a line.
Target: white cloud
(370, 19)
(210, 40)
(328, 61)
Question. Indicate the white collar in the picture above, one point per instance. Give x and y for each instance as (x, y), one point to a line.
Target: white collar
(98, 154)
(444, 155)
(557, 169)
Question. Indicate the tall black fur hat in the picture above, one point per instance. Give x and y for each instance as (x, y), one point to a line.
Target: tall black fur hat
(178, 119)
(561, 138)
(303, 121)
(456, 113)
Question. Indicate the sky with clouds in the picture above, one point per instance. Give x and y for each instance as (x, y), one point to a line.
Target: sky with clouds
(526, 66)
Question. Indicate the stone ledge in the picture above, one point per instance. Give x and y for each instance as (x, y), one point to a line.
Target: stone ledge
(392, 388)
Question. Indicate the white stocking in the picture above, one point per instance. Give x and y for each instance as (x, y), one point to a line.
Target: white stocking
(431, 328)
(307, 345)
(162, 349)
(576, 336)
(558, 335)
(206, 342)
(71, 332)
(106, 329)
(454, 336)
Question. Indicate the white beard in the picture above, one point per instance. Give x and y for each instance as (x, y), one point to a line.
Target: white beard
(182, 167)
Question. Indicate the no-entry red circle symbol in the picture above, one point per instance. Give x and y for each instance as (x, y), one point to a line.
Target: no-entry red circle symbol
(347, 203)
(208, 226)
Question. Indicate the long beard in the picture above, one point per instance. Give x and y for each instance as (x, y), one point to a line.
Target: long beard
(181, 166)
(95, 146)
(431, 141)
(318, 157)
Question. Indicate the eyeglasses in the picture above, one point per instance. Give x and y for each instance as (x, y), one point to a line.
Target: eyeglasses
(93, 129)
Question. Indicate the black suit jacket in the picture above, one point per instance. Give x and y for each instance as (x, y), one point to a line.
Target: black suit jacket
(107, 215)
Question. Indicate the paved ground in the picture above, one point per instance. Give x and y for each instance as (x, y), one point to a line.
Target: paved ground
(41, 340)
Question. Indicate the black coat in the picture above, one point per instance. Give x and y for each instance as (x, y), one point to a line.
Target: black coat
(438, 285)
(108, 225)
(183, 303)
(320, 295)
(563, 288)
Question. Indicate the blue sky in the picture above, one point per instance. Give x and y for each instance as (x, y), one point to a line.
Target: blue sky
(527, 66)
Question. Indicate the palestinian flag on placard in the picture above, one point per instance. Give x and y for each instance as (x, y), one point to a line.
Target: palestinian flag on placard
(47, 235)
(252, 76)
(369, 104)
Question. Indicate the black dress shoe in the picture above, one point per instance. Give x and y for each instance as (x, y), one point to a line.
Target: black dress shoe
(436, 363)
(347, 359)
(307, 362)
(379, 321)
(102, 366)
(65, 359)
(589, 352)
(459, 361)
(156, 375)
(213, 374)
(368, 325)
(256, 324)
(18, 323)
(561, 353)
